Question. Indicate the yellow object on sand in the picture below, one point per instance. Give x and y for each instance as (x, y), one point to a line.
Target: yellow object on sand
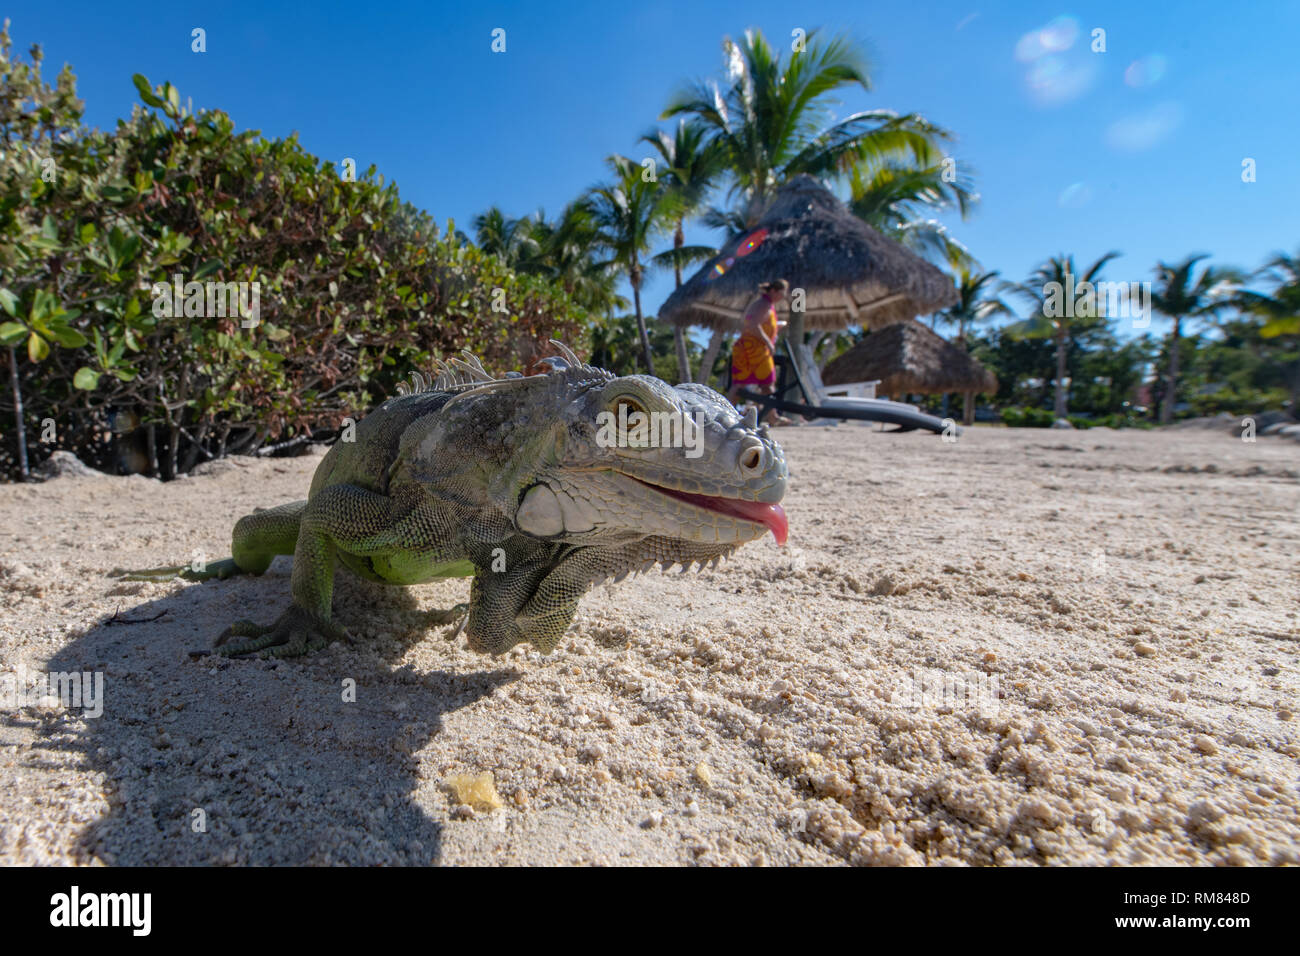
(477, 790)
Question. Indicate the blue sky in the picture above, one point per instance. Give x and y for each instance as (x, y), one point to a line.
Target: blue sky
(1138, 149)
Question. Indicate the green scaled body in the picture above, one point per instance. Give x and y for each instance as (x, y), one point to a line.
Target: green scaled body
(512, 482)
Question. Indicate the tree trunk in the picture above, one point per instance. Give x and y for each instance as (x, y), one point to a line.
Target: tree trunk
(683, 359)
(1171, 380)
(196, 446)
(151, 445)
(1062, 408)
(20, 431)
(710, 356)
(173, 450)
(679, 334)
(679, 240)
(646, 355)
(967, 398)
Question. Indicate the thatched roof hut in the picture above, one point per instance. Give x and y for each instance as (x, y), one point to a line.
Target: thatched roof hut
(850, 273)
(909, 359)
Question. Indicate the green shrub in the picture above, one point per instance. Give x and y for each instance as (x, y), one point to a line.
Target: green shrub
(1120, 420)
(1237, 400)
(1027, 417)
(1043, 418)
(356, 288)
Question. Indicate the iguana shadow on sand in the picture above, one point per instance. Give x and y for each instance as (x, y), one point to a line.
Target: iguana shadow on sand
(257, 762)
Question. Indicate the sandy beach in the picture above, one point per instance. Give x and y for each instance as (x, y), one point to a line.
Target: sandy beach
(1025, 647)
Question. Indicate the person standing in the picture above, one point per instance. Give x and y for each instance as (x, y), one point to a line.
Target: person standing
(753, 357)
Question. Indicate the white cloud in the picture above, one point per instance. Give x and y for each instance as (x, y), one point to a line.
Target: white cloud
(1141, 131)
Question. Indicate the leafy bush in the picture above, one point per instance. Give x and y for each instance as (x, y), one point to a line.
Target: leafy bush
(1027, 417)
(1238, 400)
(355, 288)
(1119, 420)
(1043, 418)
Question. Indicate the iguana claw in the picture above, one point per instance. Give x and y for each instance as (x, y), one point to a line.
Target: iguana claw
(294, 634)
(437, 618)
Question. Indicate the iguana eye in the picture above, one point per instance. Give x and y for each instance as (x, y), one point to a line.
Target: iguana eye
(627, 406)
(631, 420)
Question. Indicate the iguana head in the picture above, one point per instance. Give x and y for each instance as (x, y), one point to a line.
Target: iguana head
(635, 456)
(578, 455)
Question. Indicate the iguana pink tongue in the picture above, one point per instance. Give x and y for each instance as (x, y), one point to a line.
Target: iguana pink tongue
(759, 512)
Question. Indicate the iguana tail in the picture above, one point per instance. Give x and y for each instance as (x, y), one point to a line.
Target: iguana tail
(256, 540)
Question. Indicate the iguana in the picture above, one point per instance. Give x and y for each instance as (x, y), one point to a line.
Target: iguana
(512, 481)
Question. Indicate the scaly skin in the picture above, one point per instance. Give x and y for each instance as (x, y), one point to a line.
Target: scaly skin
(508, 481)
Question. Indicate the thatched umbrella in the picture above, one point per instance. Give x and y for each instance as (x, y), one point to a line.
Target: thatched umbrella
(849, 273)
(909, 359)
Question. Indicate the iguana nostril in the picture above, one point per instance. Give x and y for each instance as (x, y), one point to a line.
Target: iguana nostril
(750, 460)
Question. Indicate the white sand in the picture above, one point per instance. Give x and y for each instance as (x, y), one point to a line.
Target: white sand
(1133, 593)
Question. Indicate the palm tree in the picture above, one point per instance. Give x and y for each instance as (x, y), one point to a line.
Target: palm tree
(1280, 311)
(630, 212)
(978, 303)
(499, 235)
(693, 166)
(1281, 307)
(1179, 297)
(566, 251)
(616, 345)
(1052, 314)
(896, 198)
(771, 120)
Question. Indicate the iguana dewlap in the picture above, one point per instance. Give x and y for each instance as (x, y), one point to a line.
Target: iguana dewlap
(517, 483)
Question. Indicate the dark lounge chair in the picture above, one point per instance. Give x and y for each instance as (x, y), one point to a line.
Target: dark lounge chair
(796, 395)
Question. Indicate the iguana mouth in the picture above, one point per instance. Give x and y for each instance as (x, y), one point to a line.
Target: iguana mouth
(770, 516)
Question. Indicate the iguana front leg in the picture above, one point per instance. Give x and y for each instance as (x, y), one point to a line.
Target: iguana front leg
(534, 598)
(343, 517)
